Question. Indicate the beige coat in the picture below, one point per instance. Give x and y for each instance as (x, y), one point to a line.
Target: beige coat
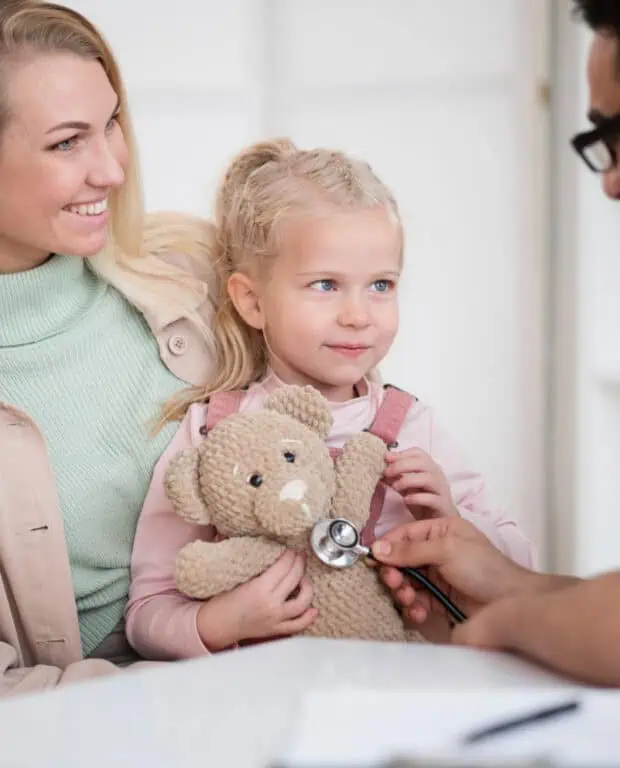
(39, 633)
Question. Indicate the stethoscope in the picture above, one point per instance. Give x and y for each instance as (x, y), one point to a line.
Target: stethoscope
(337, 543)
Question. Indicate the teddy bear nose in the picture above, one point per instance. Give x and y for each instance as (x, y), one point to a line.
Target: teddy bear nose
(294, 490)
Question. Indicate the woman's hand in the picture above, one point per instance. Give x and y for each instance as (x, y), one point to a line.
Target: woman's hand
(261, 608)
(460, 560)
(421, 482)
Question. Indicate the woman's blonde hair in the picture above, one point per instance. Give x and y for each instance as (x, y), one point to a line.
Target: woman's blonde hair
(265, 185)
(130, 259)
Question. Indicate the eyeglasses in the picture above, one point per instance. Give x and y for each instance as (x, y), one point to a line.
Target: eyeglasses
(598, 148)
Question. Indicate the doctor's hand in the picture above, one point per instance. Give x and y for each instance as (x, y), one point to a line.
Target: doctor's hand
(421, 482)
(459, 559)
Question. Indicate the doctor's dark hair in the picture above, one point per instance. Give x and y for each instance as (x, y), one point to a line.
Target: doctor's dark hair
(600, 15)
(269, 185)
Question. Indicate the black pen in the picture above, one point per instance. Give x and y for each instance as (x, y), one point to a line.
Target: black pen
(533, 717)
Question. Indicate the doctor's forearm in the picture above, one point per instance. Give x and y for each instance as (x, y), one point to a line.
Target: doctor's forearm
(535, 582)
(575, 630)
(512, 580)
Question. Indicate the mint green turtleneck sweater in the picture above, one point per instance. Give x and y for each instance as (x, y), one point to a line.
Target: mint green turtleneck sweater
(83, 364)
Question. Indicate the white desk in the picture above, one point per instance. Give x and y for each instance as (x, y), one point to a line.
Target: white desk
(233, 709)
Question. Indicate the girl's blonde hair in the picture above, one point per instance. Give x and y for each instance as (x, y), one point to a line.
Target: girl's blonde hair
(265, 185)
(130, 259)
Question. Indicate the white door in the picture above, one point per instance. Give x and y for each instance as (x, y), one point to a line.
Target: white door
(444, 99)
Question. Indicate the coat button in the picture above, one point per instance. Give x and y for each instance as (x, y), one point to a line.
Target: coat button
(177, 345)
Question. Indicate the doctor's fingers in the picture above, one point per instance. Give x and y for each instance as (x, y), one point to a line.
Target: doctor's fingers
(406, 534)
(408, 552)
(408, 596)
(418, 612)
(416, 603)
(392, 577)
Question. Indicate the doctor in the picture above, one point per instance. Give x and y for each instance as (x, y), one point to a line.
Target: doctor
(569, 624)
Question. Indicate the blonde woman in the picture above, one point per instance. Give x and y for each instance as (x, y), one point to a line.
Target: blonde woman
(309, 255)
(103, 317)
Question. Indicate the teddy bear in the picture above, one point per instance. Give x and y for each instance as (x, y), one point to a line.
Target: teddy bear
(263, 480)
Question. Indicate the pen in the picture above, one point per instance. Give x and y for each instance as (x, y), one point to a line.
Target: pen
(533, 717)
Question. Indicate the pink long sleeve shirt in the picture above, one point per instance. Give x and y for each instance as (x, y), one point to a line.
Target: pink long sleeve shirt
(161, 622)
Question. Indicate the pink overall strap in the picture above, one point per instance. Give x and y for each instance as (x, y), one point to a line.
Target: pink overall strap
(387, 425)
(222, 405)
(391, 415)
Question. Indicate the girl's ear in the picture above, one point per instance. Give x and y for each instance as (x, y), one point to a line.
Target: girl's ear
(243, 292)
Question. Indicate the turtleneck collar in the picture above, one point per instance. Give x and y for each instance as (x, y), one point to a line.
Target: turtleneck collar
(43, 302)
(271, 382)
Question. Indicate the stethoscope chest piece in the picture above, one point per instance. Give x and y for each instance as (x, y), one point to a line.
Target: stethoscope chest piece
(336, 543)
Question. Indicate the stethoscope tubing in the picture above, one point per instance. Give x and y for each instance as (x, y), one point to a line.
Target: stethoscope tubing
(437, 593)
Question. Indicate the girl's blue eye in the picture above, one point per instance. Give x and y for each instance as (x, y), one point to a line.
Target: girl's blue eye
(323, 285)
(382, 286)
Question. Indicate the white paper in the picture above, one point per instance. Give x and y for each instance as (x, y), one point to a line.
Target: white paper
(346, 728)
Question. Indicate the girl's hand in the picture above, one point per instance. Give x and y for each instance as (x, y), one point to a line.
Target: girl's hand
(421, 483)
(261, 608)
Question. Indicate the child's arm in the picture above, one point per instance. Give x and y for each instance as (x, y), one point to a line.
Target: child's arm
(160, 621)
(164, 624)
(466, 487)
(262, 607)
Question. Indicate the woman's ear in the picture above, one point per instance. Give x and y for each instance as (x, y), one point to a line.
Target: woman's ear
(243, 292)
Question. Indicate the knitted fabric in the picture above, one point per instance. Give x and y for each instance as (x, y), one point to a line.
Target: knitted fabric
(84, 365)
(263, 480)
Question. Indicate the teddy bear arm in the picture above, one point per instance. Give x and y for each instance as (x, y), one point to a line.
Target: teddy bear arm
(204, 569)
(359, 468)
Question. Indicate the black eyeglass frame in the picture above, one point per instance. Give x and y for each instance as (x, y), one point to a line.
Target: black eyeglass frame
(605, 130)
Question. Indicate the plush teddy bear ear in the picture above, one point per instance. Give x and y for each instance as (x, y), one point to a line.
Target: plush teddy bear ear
(183, 488)
(306, 404)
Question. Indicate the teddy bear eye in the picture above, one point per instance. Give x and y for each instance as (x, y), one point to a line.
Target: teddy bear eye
(289, 456)
(255, 480)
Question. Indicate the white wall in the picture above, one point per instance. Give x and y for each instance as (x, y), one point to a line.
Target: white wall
(586, 394)
(443, 98)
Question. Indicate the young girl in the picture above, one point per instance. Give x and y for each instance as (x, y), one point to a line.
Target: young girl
(309, 255)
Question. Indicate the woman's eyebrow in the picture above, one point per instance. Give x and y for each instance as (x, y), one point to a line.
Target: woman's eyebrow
(78, 125)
